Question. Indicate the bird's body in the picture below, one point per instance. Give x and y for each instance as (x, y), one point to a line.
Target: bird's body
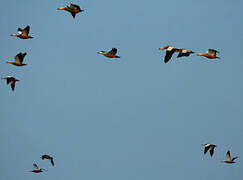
(72, 8)
(23, 33)
(210, 54)
(48, 157)
(110, 54)
(209, 147)
(229, 159)
(18, 60)
(170, 50)
(184, 52)
(36, 169)
(11, 80)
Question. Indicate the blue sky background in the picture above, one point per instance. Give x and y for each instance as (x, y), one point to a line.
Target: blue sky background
(132, 118)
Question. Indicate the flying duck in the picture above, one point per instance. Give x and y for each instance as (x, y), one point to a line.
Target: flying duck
(18, 59)
(48, 157)
(23, 33)
(209, 147)
(229, 160)
(210, 53)
(184, 52)
(11, 80)
(110, 54)
(169, 52)
(73, 9)
(36, 169)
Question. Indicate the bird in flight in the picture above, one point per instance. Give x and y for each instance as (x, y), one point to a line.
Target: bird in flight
(18, 59)
(210, 54)
(36, 169)
(72, 8)
(209, 147)
(11, 80)
(229, 159)
(48, 157)
(170, 50)
(23, 33)
(110, 54)
(184, 52)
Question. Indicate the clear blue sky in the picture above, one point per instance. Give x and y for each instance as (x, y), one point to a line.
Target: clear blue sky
(134, 118)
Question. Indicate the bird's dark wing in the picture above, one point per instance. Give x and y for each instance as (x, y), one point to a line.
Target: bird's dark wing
(206, 149)
(13, 85)
(211, 151)
(73, 14)
(113, 51)
(35, 166)
(168, 55)
(74, 6)
(52, 162)
(9, 80)
(26, 30)
(234, 158)
(44, 157)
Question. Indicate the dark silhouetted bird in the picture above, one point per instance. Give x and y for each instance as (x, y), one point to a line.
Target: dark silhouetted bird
(170, 50)
(48, 157)
(11, 80)
(209, 147)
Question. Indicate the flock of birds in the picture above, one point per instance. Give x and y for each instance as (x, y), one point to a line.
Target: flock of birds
(211, 147)
(170, 50)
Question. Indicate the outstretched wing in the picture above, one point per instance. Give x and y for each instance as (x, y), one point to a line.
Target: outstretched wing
(113, 51)
(228, 157)
(211, 150)
(52, 162)
(20, 57)
(35, 166)
(9, 79)
(73, 14)
(206, 149)
(74, 6)
(13, 85)
(234, 158)
(168, 55)
(26, 30)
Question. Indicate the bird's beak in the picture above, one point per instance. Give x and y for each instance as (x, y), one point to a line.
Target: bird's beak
(61, 8)
(13, 35)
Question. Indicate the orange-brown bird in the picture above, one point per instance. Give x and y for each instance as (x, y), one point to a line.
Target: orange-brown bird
(48, 157)
(110, 54)
(229, 159)
(23, 33)
(170, 50)
(72, 8)
(18, 59)
(209, 147)
(36, 169)
(11, 80)
(210, 53)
